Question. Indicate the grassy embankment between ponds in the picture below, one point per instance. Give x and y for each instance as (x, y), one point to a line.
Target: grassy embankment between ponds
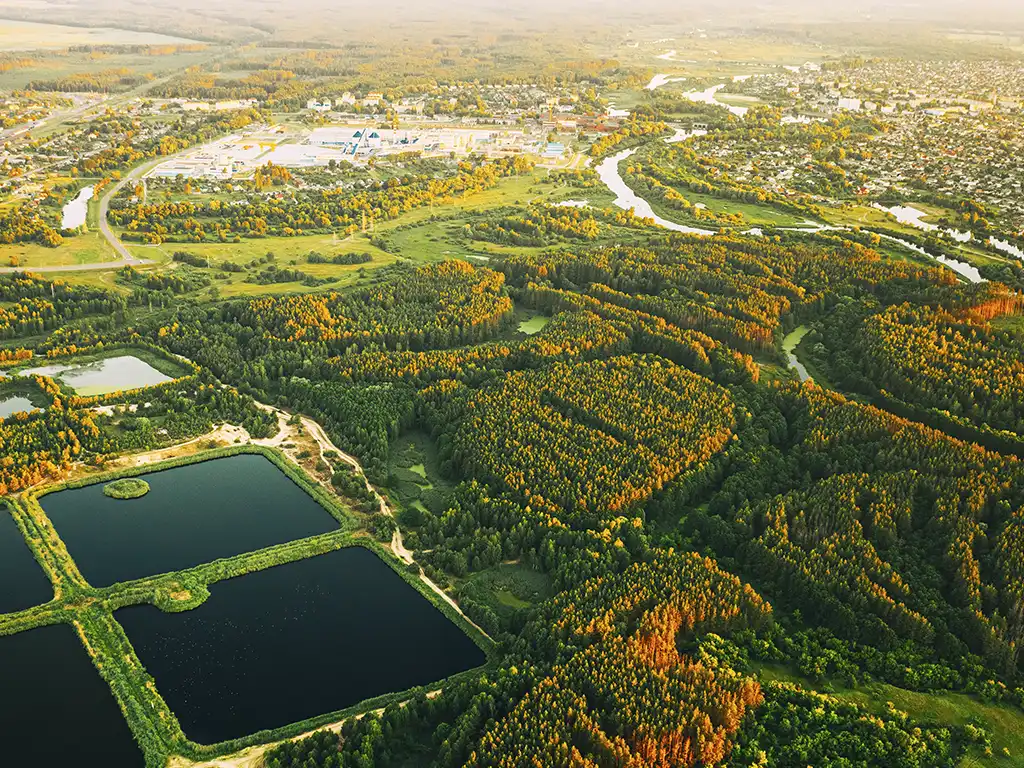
(90, 610)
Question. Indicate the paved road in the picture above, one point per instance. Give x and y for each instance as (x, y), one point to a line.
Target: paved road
(135, 173)
(76, 267)
(126, 256)
(105, 229)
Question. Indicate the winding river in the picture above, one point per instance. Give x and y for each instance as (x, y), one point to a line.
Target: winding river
(659, 80)
(708, 96)
(626, 198)
(1006, 247)
(962, 268)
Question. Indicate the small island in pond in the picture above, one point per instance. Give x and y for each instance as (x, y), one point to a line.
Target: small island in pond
(128, 488)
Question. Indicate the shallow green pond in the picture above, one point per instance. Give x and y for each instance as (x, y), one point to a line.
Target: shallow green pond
(101, 377)
(534, 324)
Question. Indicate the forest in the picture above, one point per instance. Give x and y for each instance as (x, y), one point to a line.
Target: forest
(689, 514)
(305, 213)
(748, 497)
(956, 364)
(888, 549)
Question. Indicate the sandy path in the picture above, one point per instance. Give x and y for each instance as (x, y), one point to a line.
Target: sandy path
(252, 757)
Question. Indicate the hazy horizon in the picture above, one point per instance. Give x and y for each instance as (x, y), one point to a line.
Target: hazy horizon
(324, 20)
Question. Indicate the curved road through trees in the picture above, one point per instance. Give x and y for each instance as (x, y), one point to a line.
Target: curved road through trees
(106, 231)
(108, 234)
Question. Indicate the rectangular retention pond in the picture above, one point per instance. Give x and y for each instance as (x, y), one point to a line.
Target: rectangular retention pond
(295, 641)
(23, 583)
(55, 709)
(192, 515)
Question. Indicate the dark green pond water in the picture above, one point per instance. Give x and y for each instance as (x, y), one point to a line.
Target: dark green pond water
(292, 642)
(191, 515)
(23, 583)
(55, 709)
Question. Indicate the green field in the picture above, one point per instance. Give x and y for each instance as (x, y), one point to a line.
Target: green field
(738, 99)
(88, 248)
(67, 64)
(413, 236)
(289, 252)
(866, 216)
(1005, 725)
(754, 214)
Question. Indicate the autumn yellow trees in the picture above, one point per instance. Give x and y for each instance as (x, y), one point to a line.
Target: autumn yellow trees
(735, 290)
(306, 213)
(620, 692)
(439, 305)
(887, 537)
(934, 359)
(594, 439)
(42, 445)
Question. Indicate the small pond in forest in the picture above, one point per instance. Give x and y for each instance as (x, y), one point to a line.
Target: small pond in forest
(101, 377)
(14, 404)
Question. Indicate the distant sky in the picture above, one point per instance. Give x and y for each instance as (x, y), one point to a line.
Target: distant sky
(969, 12)
(338, 19)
